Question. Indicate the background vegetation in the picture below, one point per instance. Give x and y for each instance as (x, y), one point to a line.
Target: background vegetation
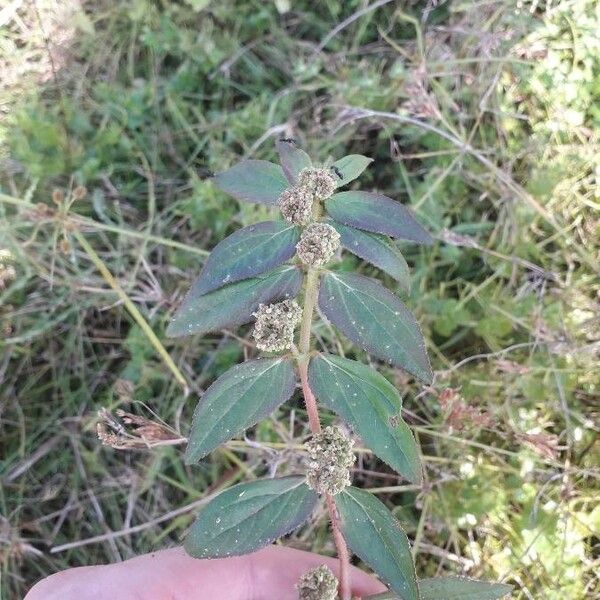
(481, 115)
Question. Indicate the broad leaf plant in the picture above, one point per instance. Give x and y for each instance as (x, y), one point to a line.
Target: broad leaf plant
(255, 275)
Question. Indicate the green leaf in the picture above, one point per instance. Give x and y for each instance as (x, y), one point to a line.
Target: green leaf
(250, 516)
(458, 588)
(377, 538)
(350, 167)
(371, 405)
(249, 251)
(292, 160)
(376, 320)
(257, 181)
(233, 304)
(453, 588)
(377, 213)
(376, 249)
(240, 398)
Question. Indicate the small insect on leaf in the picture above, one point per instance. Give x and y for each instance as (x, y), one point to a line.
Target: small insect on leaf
(257, 181)
(377, 213)
(248, 252)
(292, 159)
(233, 304)
(237, 400)
(376, 537)
(250, 516)
(349, 167)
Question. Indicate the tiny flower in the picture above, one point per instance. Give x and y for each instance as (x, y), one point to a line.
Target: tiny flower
(275, 324)
(320, 182)
(296, 205)
(318, 584)
(330, 458)
(318, 243)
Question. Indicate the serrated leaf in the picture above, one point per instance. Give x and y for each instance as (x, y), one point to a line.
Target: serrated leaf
(248, 252)
(453, 588)
(371, 405)
(377, 538)
(459, 588)
(249, 516)
(376, 320)
(350, 167)
(376, 249)
(377, 213)
(233, 304)
(292, 159)
(240, 398)
(258, 181)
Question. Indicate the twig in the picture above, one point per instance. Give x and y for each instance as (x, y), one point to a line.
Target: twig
(133, 310)
(81, 221)
(355, 113)
(136, 529)
(353, 17)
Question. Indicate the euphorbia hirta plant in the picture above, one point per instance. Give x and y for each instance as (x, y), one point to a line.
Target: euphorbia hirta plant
(256, 274)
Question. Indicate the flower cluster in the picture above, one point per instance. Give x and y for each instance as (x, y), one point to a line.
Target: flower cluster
(275, 324)
(330, 458)
(296, 203)
(318, 243)
(318, 584)
(320, 182)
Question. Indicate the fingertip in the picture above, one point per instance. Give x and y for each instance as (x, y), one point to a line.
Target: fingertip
(65, 585)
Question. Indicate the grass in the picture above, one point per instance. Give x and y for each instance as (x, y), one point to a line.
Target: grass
(480, 115)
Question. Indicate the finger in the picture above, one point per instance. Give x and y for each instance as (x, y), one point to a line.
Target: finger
(166, 574)
(272, 572)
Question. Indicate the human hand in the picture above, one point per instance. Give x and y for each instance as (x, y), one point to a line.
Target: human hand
(270, 574)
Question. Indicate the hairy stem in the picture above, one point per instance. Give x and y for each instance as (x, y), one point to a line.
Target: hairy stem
(310, 299)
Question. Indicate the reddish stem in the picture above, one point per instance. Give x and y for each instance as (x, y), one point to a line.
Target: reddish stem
(342, 548)
(310, 300)
(309, 398)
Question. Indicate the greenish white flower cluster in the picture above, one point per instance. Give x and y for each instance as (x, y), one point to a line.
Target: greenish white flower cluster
(275, 324)
(318, 584)
(318, 244)
(296, 205)
(318, 181)
(331, 456)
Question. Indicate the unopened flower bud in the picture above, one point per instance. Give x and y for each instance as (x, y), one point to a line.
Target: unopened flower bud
(275, 324)
(330, 458)
(318, 181)
(318, 584)
(296, 205)
(318, 243)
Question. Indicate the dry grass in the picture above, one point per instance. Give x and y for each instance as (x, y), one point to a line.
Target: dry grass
(480, 116)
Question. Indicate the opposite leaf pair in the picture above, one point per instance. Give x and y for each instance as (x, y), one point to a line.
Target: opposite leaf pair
(243, 277)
